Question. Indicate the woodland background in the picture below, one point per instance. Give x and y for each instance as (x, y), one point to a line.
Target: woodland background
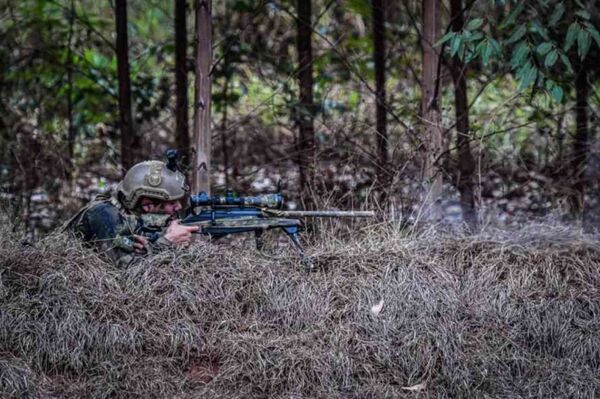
(477, 111)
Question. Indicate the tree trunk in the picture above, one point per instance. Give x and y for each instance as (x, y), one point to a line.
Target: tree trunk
(466, 162)
(235, 159)
(560, 138)
(306, 140)
(381, 109)
(202, 98)
(129, 141)
(69, 66)
(224, 148)
(580, 143)
(431, 134)
(181, 82)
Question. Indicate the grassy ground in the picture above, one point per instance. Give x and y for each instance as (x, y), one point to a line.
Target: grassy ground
(498, 315)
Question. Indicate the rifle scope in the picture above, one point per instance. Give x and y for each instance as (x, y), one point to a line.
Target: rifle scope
(263, 201)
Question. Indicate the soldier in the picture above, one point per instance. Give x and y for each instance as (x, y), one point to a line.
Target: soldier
(141, 219)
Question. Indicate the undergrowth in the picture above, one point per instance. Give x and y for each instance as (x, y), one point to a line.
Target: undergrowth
(380, 314)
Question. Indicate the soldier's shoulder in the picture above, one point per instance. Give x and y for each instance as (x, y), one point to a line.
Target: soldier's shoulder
(104, 209)
(102, 219)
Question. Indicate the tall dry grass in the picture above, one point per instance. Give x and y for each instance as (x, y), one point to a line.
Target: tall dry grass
(497, 315)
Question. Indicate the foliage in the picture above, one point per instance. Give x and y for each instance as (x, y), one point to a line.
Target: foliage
(58, 68)
(532, 37)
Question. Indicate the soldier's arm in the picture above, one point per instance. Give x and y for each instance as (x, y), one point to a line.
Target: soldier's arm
(105, 228)
(175, 234)
(180, 234)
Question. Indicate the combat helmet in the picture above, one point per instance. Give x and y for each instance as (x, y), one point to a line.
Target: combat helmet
(151, 179)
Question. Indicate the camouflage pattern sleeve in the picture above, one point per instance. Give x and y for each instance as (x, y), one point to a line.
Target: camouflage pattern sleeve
(109, 231)
(161, 244)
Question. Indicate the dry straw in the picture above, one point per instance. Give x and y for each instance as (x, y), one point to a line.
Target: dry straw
(382, 315)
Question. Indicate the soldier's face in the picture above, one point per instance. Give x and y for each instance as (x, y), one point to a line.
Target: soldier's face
(153, 206)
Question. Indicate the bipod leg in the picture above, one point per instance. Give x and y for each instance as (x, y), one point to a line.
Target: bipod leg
(260, 240)
(292, 232)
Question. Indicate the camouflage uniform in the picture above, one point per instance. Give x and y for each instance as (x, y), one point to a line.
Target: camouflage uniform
(109, 227)
(109, 223)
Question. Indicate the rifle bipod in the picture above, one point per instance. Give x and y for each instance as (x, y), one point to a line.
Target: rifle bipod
(292, 232)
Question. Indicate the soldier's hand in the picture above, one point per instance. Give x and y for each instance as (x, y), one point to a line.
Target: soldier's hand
(139, 246)
(179, 234)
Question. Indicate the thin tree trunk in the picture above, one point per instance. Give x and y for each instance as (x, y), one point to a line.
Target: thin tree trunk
(466, 162)
(181, 81)
(381, 109)
(580, 143)
(306, 140)
(432, 140)
(202, 98)
(560, 138)
(235, 160)
(129, 141)
(224, 148)
(71, 127)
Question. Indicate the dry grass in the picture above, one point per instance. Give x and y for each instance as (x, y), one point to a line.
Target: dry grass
(498, 315)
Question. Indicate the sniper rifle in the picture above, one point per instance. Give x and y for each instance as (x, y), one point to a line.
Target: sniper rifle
(221, 215)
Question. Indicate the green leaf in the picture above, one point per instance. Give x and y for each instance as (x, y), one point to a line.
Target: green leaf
(495, 46)
(531, 77)
(487, 53)
(557, 14)
(527, 75)
(583, 43)
(566, 62)
(557, 93)
(519, 55)
(470, 56)
(522, 71)
(513, 15)
(543, 48)
(475, 24)
(474, 37)
(517, 34)
(571, 35)
(594, 33)
(537, 27)
(480, 47)
(583, 14)
(551, 59)
(446, 37)
(455, 45)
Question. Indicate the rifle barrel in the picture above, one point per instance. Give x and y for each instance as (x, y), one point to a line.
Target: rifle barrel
(333, 214)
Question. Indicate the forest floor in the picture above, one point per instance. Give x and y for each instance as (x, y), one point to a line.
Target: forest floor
(384, 313)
